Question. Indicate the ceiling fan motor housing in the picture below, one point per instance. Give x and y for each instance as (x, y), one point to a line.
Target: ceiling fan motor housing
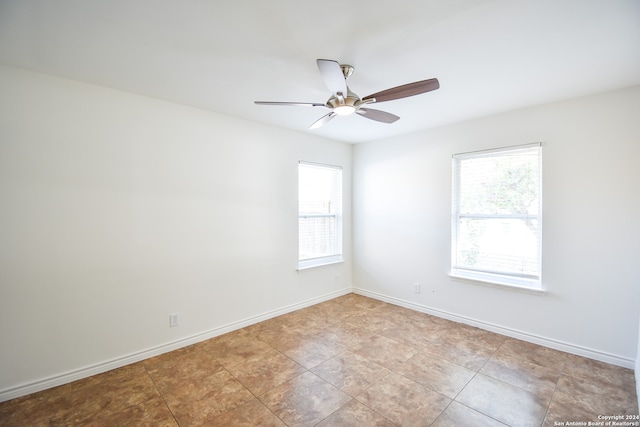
(350, 100)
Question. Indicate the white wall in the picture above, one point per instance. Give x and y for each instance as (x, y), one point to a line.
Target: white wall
(591, 228)
(117, 210)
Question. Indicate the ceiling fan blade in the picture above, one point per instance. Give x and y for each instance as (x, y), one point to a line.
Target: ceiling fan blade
(410, 89)
(333, 76)
(322, 120)
(377, 115)
(295, 104)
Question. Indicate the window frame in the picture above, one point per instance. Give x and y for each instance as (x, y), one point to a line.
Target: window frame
(337, 257)
(512, 280)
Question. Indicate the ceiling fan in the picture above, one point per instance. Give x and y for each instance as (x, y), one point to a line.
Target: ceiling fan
(344, 102)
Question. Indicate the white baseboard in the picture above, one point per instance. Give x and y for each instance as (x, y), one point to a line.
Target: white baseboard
(77, 374)
(524, 336)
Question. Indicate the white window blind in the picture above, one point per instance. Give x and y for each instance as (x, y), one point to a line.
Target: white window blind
(319, 214)
(496, 230)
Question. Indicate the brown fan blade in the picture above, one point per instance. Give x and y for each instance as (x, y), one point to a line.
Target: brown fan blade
(295, 104)
(333, 76)
(377, 115)
(410, 89)
(322, 120)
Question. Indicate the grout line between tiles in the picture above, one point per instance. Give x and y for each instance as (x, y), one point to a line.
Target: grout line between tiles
(161, 394)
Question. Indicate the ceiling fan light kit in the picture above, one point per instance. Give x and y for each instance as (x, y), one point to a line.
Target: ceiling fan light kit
(344, 102)
(344, 110)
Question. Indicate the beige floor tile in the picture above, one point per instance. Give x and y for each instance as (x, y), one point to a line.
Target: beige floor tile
(332, 312)
(385, 351)
(112, 392)
(263, 373)
(458, 415)
(519, 372)
(378, 320)
(347, 336)
(123, 373)
(310, 351)
(355, 414)
(49, 407)
(282, 339)
(304, 400)
(462, 351)
(416, 333)
(487, 339)
(151, 413)
(198, 403)
(350, 372)
(358, 303)
(581, 367)
(284, 324)
(595, 396)
(504, 402)
(232, 349)
(560, 414)
(252, 413)
(170, 370)
(533, 353)
(438, 374)
(403, 401)
(303, 321)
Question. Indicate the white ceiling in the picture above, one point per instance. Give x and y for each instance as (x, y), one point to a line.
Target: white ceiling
(490, 56)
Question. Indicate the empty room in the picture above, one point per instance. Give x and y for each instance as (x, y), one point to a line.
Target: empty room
(338, 213)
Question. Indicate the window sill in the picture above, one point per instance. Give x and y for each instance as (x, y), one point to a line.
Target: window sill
(319, 262)
(484, 281)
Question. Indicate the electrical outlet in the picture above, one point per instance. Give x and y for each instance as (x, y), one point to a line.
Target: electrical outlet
(174, 319)
(416, 288)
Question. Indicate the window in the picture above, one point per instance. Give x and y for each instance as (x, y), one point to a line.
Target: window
(319, 215)
(496, 230)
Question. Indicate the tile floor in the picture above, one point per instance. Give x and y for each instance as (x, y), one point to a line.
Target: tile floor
(351, 361)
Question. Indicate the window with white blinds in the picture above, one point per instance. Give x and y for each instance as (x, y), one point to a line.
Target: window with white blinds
(319, 214)
(497, 214)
